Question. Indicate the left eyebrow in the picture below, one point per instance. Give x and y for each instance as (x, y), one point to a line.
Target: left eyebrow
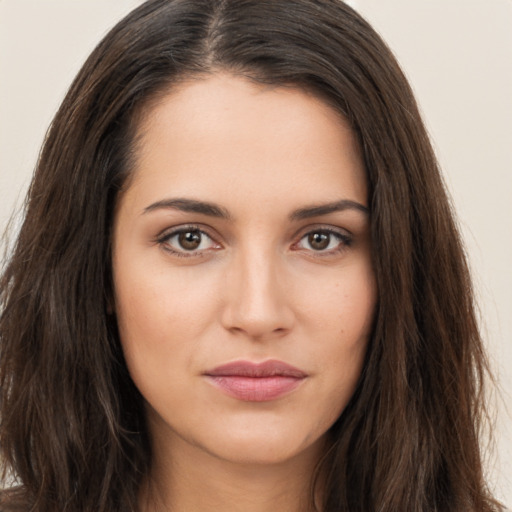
(324, 209)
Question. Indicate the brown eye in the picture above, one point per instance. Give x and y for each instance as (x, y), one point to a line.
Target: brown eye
(319, 241)
(324, 241)
(189, 240)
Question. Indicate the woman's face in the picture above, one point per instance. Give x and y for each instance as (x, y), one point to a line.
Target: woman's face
(244, 289)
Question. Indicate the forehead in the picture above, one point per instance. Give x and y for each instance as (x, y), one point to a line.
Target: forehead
(226, 136)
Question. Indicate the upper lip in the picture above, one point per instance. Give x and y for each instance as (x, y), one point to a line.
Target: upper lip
(270, 368)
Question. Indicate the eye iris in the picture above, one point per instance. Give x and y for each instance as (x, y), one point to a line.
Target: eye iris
(189, 240)
(319, 241)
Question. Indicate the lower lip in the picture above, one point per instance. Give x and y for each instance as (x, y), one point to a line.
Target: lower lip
(255, 389)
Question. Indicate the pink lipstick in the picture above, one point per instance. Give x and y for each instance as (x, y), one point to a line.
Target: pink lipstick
(256, 382)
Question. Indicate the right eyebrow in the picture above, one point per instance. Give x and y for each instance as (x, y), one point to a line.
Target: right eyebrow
(189, 205)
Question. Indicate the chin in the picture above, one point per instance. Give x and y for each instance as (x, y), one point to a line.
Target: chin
(265, 447)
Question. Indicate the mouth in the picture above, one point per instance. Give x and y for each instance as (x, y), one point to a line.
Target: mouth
(256, 382)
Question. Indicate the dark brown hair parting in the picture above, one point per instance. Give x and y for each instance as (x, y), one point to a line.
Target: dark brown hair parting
(73, 433)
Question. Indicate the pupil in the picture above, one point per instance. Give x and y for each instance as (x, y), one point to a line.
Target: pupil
(319, 241)
(190, 240)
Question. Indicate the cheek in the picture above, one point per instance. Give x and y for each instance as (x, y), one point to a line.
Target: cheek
(343, 316)
(161, 317)
(159, 300)
(342, 303)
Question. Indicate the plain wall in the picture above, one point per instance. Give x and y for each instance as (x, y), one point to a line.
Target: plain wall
(458, 56)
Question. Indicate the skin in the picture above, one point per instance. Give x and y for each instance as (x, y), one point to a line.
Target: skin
(257, 287)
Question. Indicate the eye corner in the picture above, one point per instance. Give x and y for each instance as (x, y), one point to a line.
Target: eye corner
(187, 241)
(329, 241)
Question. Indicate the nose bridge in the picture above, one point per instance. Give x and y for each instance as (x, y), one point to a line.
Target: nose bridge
(257, 299)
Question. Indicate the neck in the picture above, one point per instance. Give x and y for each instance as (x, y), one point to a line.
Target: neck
(193, 481)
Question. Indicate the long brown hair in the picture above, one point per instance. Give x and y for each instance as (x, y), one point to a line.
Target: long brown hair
(73, 432)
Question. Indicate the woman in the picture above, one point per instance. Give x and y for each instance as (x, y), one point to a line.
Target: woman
(238, 285)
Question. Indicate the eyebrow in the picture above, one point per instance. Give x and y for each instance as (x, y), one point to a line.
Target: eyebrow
(214, 210)
(325, 209)
(190, 205)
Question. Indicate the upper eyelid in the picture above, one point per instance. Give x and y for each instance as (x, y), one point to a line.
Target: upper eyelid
(215, 237)
(343, 237)
(175, 230)
(163, 240)
(337, 230)
(206, 229)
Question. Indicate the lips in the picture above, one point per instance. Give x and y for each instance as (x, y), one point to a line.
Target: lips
(256, 382)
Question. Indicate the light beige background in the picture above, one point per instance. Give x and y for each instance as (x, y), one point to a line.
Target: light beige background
(458, 56)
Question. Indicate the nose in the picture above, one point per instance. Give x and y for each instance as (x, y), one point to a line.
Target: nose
(257, 304)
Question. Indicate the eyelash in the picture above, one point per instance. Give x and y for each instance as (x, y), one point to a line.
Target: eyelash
(344, 241)
(163, 240)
